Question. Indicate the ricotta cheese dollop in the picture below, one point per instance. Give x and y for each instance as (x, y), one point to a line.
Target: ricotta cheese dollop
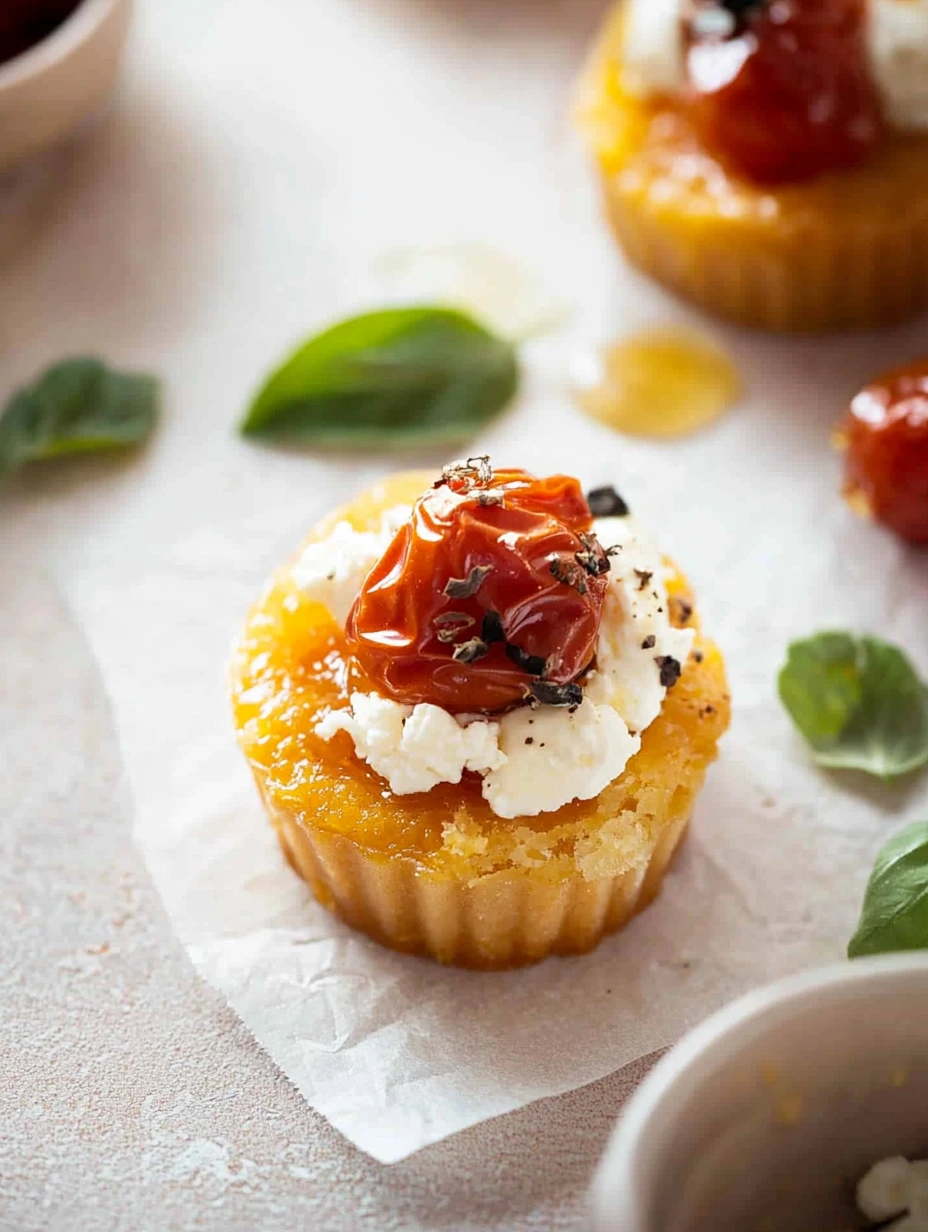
(331, 571)
(654, 61)
(532, 760)
(898, 47)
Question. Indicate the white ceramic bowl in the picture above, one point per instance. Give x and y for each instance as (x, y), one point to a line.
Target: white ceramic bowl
(764, 1118)
(50, 89)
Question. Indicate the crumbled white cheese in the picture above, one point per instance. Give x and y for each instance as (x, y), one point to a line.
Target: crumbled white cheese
(897, 40)
(532, 761)
(553, 757)
(893, 1187)
(884, 1191)
(636, 631)
(653, 53)
(414, 747)
(332, 571)
(653, 47)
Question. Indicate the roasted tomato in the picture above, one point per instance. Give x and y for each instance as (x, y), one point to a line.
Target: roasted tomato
(490, 595)
(885, 437)
(781, 89)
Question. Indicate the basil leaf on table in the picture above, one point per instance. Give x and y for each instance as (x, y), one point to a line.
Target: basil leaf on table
(895, 910)
(858, 702)
(403, 376)
(76, 406)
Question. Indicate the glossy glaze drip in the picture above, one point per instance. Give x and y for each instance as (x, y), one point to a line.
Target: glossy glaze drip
(663, 383)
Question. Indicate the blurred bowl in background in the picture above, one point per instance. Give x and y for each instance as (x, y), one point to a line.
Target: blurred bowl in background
(767, 1115)
(47, 91)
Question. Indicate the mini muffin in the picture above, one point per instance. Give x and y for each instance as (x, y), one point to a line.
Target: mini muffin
(479, 716)
(768, 161)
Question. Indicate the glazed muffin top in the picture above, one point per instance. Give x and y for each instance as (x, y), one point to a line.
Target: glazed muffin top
(783, 91)
(351, 748)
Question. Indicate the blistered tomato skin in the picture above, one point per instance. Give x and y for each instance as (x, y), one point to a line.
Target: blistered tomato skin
(885, 435)
(787, 94)
(491, 592)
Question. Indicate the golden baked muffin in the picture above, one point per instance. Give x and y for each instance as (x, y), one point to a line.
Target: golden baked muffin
(768, 161)
(478, 716)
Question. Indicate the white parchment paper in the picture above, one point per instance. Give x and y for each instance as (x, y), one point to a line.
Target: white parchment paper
(206, 227)
(395, 1051)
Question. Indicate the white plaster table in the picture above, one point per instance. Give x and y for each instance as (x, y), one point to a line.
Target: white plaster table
(131, 1097)
(259, 157)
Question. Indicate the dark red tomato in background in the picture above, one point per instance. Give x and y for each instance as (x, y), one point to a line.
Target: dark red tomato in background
(885, 436)
(788, 94)
(494, 589)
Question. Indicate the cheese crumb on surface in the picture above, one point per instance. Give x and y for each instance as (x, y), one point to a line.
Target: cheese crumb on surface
(896, 1186)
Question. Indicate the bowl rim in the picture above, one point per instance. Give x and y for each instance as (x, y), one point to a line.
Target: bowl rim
(619, 1169)
(76, 28)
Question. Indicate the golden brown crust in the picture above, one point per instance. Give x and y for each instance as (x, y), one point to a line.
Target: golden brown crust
(439, 873)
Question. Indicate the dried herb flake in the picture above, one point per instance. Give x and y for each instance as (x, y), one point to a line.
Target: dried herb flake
(470, 652)
(570, 573)
(548, 694)
(465, 588)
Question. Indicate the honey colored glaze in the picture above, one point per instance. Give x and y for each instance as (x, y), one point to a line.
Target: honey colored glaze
(788, 94)
(660, 383)
(292, 666)
(493, 588)
(847, 248)
(885, 439)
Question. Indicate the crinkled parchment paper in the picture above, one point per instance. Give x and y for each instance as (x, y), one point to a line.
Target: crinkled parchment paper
(398, 1052)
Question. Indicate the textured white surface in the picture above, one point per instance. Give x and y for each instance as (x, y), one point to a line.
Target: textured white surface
(239, 194)
(132, 1099)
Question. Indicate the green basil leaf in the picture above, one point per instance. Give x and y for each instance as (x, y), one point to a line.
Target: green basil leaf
(895, 910)
(77, 406)
(404, 376)
(858, 702)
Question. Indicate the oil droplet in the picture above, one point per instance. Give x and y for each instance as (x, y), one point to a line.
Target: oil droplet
(662, 383)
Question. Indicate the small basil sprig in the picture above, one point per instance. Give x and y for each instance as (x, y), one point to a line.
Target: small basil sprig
(858, 702)
(76, 406)
(403, 376)
(895, 910)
